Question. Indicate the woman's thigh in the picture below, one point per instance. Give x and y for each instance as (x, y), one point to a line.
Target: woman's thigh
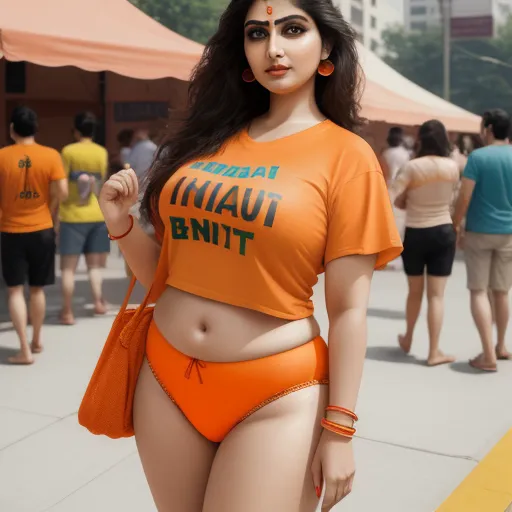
(176, 458)
(442, 251)
(413, 255)
(265, 462)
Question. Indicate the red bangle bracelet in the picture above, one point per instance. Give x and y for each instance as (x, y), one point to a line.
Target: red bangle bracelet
(342, 410)
(114, 238)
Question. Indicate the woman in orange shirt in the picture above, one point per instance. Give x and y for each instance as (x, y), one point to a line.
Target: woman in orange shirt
(240, 404)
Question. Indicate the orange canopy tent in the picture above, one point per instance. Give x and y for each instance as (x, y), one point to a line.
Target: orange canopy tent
(114, 35)
(392, 98)
(381, 104)
(96, 35)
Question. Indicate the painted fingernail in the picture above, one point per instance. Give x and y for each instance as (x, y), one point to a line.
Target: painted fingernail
(318, 492)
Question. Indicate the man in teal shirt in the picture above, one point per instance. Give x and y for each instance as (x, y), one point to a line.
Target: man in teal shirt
(486, 196)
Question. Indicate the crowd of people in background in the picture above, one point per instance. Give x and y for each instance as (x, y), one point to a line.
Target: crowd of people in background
(49, 205)
(445, 194)
(136, 151)
(455, 195)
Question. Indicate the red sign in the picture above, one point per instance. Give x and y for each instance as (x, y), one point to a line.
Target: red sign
(472, 27)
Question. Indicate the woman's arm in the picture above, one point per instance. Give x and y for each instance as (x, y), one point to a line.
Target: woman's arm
(400, 186)
(140, 250)
(401, 201)
(117, 197)
(347, 289)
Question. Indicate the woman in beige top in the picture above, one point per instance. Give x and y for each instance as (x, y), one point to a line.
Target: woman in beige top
(424, 188)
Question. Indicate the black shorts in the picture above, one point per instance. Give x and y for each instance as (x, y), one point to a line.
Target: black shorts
(28, 256)
(433, 248)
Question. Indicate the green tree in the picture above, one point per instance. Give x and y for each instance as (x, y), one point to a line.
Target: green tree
(194, 19)
(476, 84)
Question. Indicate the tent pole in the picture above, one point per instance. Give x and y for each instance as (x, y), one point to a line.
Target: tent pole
(103, 99)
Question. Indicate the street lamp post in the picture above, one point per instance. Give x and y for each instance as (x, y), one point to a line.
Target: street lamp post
(446, 10)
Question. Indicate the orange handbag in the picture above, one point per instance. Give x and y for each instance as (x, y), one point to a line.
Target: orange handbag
(107, 406)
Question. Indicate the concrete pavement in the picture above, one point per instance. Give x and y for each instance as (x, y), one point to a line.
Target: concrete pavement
(422, 430)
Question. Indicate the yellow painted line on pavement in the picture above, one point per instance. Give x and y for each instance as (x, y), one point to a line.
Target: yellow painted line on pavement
(488, 488)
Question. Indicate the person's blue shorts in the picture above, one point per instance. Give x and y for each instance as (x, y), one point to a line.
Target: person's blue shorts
(83, 238)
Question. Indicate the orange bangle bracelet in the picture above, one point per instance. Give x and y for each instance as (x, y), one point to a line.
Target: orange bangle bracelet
(114, 238)
(350, 430)
(338, 429)
(342, 410)
(338, 432)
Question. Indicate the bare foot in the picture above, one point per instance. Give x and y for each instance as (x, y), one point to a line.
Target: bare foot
(21, 358)
(481, 364)
(503, 354)
(440, 358)
(67, 319)
(100, 308)
(36, 348)
(404, 343)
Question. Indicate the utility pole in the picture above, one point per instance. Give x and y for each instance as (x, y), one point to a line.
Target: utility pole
(446, 10)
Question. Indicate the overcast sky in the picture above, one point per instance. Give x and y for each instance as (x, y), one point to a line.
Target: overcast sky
(397, 4)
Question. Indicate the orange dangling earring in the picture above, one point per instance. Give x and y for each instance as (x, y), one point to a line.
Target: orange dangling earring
(326, 68)
(248, 76)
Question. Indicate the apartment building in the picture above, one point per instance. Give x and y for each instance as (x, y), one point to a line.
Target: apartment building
(472, 15)
(370, 18)
(422, 14)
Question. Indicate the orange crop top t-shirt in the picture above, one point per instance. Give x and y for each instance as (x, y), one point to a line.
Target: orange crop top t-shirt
(254, 225)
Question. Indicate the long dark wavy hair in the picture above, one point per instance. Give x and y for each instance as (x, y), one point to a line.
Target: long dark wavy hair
(433, 139)
(221, 104)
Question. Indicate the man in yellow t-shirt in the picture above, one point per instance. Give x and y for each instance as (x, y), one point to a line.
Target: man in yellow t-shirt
(82, 227)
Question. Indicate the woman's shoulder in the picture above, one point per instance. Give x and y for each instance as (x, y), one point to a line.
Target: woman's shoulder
(449, 163)
(351, 155)
(349, 145)
(355, 140)
(445, 167)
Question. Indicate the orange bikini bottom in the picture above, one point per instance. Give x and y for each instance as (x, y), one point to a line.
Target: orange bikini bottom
(215, 397)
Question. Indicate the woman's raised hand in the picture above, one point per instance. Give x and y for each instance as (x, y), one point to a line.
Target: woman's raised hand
(117, 197)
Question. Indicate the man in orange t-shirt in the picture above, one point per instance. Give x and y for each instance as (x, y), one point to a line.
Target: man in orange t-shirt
(32, 183)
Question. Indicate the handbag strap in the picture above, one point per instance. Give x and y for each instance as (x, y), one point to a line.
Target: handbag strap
(126, 334)
(143, 304)
(158, 282)
(128, 294)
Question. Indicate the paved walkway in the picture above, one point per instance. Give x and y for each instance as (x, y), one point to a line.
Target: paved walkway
(422, 430)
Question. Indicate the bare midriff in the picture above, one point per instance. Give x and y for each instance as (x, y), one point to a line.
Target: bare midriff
(216, 332)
